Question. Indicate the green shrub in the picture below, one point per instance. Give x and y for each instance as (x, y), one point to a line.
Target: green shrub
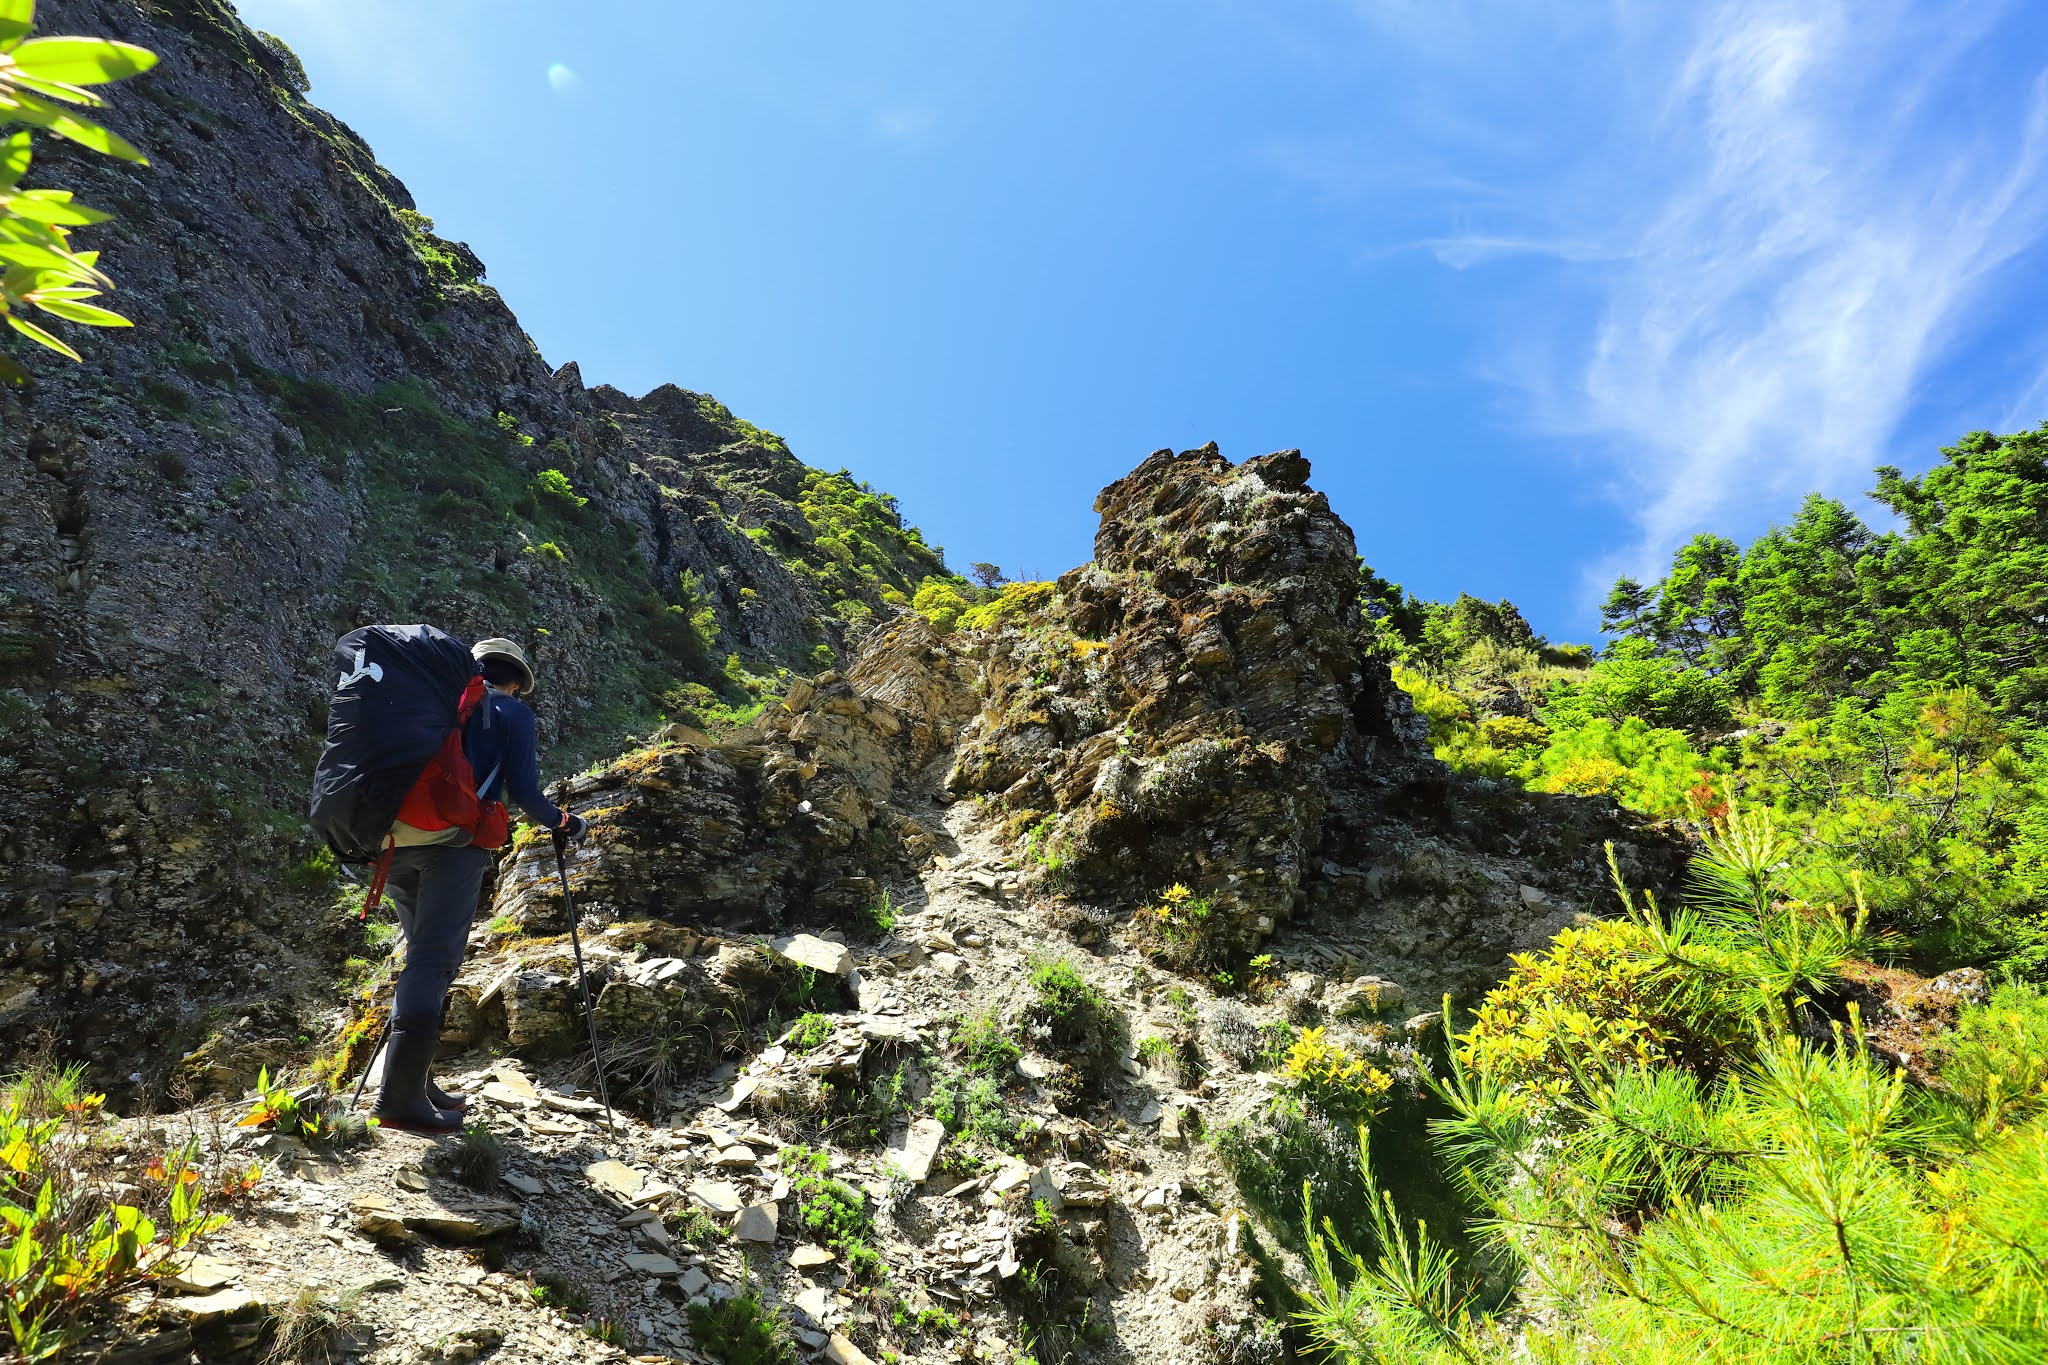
(1634, 681)
(940, 601)
(878, 918)
(1015, 602)
(984, 1046)
(1512, 732)
(1067, 1006)
(554, 485)
(1996, 1060)
(1651, 770)
(741, 1331)
(971, 1106)
(807, 1033)
(834, 1213)
(317, 871)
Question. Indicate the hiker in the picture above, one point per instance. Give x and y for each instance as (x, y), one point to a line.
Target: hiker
(434, 879)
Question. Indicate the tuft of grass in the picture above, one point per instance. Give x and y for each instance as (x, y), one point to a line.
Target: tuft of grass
(808, 1032)
(984, 1045)
(695, 1226)
(879, 918)
(473, 1157)
(742, 1331)
(313, 1328)
(553, 1289)
(832, 1211)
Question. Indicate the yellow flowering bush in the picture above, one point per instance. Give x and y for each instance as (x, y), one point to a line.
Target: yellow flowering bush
(1591, 775)
(1016, 599)
(1179, 929)
(1333, 1079)
(1599, 997)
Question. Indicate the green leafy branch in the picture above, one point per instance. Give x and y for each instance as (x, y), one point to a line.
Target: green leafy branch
(39, 78)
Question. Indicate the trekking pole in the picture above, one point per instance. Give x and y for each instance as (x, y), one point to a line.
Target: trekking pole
(582, 980)
(383, 1037)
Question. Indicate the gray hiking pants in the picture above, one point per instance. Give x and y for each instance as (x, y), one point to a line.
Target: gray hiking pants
(433, 889)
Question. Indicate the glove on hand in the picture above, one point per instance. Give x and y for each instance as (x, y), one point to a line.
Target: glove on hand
(575, 827)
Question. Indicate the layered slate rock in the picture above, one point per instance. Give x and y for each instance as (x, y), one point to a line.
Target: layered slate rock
(789, 822)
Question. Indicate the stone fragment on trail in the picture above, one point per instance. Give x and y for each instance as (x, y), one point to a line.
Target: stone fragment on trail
(757, 1222)
(522, 1182)
(808, 1257)
(510, 1096)
(226, 1303)
(198, 1273)
(376, 1216)
(1363, 998)
(920, 1146)
(820, 955)
(650, 1263)
(1010, 1177)
(475, 1222)
(1078, 1184)
(718, 1196)
(615, 1178)
(841, 1351)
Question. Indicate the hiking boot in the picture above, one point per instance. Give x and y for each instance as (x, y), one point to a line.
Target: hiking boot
(436, 1096)
(402, 1103)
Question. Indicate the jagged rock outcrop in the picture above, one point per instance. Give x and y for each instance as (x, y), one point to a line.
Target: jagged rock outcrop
(1185, 707)
(1197, 707)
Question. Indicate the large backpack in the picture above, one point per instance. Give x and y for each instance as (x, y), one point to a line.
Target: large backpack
(402, 696)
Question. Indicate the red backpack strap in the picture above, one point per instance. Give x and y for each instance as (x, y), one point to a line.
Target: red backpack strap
(471, 696)
(378, 878)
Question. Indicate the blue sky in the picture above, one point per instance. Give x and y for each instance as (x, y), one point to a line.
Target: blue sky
(1540, 289)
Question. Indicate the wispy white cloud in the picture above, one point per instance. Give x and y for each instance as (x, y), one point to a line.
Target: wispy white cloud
(562, 78)
(1765, 330)
(906, 123)
(1769, 221)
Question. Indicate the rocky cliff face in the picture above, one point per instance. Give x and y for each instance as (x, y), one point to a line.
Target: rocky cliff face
(324, 417)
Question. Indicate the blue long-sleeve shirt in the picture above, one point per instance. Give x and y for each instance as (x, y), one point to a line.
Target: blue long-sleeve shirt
(509, 745)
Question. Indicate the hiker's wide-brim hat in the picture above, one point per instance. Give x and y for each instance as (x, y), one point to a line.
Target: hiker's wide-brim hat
(508, 651)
